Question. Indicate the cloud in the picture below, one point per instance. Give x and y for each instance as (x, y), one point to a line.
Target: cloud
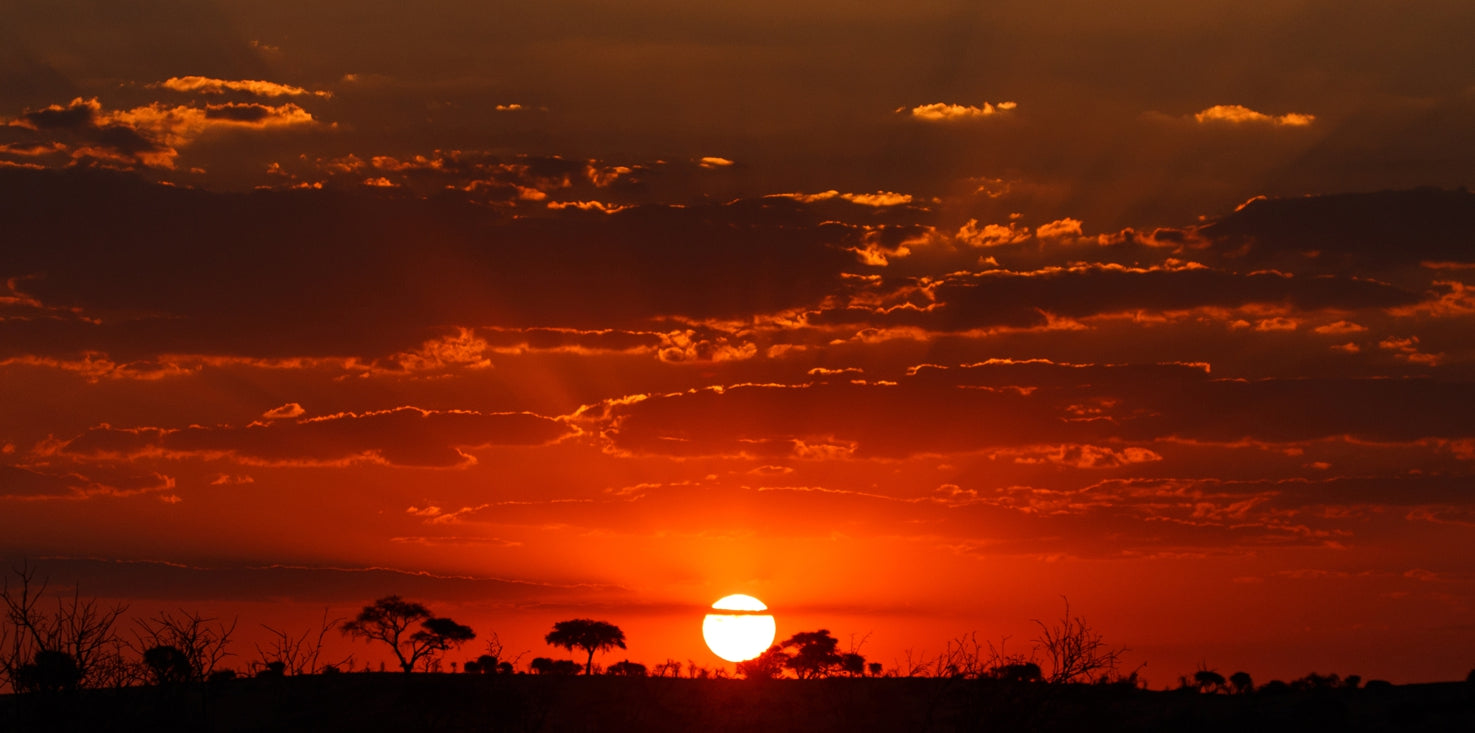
(403, 436)
(944, 112)
(879, 198)
(154, 580)
(208, 85)
(1019, 406)
(149, 135)
(713, 161)
(1238, 115)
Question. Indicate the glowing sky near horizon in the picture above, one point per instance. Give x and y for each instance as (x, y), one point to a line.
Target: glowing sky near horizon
(907, 318)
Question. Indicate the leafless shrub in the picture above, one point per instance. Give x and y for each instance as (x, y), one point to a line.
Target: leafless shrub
(1077, 652)
(299, 654)
(201, 640)
(84, 630)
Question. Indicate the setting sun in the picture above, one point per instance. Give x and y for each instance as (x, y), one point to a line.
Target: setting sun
(741, 632)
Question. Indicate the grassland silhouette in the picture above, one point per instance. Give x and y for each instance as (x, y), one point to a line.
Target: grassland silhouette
(74, 664)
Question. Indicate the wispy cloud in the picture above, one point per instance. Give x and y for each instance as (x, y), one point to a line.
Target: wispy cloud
(209, 85)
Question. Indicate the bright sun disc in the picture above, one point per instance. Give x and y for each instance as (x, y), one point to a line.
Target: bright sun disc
(738, 630)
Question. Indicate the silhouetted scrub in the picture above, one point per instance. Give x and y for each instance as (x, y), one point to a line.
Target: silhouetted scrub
(627, 668)
(167, 665)
(50, 671)
(546, 666)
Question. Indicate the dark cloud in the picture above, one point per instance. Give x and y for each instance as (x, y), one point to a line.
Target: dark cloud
(251, 113)
(1358, 234)
(225, 275)
(80, 123)
(402, 437)
(17, 482)
(945, 412)
(351, 585)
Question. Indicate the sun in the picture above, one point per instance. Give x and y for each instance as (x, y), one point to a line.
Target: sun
(738, 629)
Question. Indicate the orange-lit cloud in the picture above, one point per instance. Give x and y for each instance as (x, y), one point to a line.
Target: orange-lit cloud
(1237, 115)
(208, 85)
(149, 135)
(944, 112)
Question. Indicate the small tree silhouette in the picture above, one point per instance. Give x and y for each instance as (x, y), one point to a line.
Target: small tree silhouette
(1207, 680)
(765, 666)
(814, 654)
(1077, 652)
(853, 664)
(201, 640)
(588, 635)
(1242, 682)
(168, 665)
(389, 619)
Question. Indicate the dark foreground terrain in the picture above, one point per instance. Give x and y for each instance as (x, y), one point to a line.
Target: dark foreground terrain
(426, 702)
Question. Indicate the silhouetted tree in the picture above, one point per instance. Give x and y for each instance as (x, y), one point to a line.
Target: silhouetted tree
(1470, 678)
(1316, 681)
(1241, 682)
(200, 640)
(874, 668)
(484, 664)
(588, 635)
(765, 666)
(1076, 651)
(168, 665)
(84, 630)
(813, 654)
(1207, 680)
(627, 668)
(389, 620)
(853, 664)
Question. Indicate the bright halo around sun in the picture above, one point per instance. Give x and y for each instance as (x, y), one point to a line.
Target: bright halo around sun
(738, 629)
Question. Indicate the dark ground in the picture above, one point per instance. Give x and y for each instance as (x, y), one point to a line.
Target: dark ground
(361, 702)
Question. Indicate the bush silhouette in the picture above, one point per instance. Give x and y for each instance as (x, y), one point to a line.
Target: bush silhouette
(627, 668)
(1019, 672)
(544, 665)
(49, 671)
(168, 665)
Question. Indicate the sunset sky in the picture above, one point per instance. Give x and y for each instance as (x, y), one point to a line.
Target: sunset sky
(908, 318)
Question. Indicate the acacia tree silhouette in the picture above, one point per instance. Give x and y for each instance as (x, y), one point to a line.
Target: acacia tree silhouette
(586, 634)
(388, 619)
(814, 654)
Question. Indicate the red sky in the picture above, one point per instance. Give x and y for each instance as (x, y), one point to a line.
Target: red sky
(908, 320)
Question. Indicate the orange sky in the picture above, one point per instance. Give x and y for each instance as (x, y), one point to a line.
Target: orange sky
(908, 320)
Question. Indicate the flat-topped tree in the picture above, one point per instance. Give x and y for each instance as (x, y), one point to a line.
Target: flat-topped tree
(587, 634)
(390, 619)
